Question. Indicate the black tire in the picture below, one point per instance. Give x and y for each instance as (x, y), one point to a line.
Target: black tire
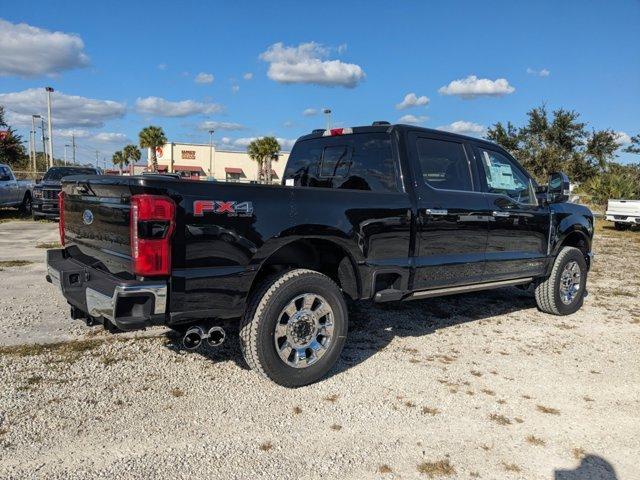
(548, 290)
(37, 217)
(621, 226)
(258, 326)
(26, 207)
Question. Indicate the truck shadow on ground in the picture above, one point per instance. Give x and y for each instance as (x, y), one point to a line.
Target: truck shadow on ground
(592, 467)
(373, 326)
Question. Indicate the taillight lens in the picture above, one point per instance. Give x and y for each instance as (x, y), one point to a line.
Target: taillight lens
(61, 221)
(152, 224)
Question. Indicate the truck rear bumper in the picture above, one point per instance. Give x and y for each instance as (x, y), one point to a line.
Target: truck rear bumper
(621, 218)
(127, 304)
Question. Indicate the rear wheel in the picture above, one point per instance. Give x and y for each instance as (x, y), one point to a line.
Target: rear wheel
(562, 292)
(621, 226)
(26, 205)
(294, 328)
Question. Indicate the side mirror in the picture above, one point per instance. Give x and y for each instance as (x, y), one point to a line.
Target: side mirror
(558, 189)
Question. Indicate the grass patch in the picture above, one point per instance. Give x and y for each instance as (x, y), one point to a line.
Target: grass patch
(332, 398)
(548, 410)
(476, 373)
(49, 245)
(487, 391)
(500, 419)
(14, 263)
(511, 467)
(336, 427)
(384, 468)
(441, 468)
(578, 453)
(176, 392)
(533, 440)
(297, 410)
(430, 411)
(266, 446)
(409, 404)
(66, 351)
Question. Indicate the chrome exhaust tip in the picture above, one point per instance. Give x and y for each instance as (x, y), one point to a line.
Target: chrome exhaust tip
(193, 338)
(216, 336)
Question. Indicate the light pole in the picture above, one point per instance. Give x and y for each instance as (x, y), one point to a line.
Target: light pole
(327, 113)
(32, 137)
(49, 90)
(211, 132)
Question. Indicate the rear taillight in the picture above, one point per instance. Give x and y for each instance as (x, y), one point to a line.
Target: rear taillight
(61, 221)
(152, 224)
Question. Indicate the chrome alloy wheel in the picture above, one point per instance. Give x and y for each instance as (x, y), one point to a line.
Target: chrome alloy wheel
(304, 330)
(570, 282)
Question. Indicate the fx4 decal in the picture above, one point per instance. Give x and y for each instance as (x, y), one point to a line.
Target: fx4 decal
(230, 208)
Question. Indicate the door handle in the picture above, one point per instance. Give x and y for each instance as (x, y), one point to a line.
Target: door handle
(498, 213)
(436, 211)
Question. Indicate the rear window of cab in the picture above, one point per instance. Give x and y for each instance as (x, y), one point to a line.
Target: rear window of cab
(360, 161)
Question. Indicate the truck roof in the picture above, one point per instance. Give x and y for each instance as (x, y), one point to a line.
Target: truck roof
(403, 128)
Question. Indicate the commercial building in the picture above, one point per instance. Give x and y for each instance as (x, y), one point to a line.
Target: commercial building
(201, 160)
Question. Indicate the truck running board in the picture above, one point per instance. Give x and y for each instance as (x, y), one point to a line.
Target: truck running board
(440, 292)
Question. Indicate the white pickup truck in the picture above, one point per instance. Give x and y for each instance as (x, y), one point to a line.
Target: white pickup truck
(624, 213)
(14, 193)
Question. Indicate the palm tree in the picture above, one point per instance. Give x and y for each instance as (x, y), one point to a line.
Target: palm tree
(118, 159)
(262, 150)
(152, 137)
(131, 154)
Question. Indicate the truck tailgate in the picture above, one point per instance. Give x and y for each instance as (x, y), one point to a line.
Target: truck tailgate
(624, 207)
(96, 224)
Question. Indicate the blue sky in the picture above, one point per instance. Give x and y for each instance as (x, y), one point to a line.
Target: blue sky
(119, 66)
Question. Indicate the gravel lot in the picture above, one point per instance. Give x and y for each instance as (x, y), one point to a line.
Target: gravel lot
(473, 386)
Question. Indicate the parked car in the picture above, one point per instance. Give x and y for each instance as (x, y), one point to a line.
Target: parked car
(14, 193)
(624, 213)
(45, 193)
(382, 213)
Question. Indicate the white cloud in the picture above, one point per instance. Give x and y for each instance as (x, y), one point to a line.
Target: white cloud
(111, 137)
(247, 76)
(309, 112)
(412, 100)
(413, 119)
(204, 78)
(540, 73)
(623, 138)
(162, 66)
(464, 128)
(212, 125)
(31, 51)
(235, 89)
(164, 108)
(342, 48)
(67, 110)
(307, 63)
(472, 87)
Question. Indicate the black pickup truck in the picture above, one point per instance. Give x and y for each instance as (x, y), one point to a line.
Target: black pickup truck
(382, 213)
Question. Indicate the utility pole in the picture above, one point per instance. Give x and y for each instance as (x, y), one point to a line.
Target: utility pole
(211, 132)
(327, 113)
(44, 148)
(49, 90)
(73, 147)
(66, 145)
(32, 139)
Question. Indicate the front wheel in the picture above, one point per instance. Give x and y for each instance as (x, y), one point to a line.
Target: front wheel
(26, 206)
(294, 328)
(563, 291)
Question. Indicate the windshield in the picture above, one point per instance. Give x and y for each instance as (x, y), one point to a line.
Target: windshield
(58, 173)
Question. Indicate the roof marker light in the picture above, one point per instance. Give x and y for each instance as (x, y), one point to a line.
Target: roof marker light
(334, 132)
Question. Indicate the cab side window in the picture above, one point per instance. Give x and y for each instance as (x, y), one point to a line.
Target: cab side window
(504, 177)
(444, 164)
(5, 176)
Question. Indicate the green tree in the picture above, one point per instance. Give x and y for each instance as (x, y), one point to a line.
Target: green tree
(262, 150)
(634, 146)
(152, 137)
(11, 148)
(131, 154)
(118, 160)
(560, 141)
